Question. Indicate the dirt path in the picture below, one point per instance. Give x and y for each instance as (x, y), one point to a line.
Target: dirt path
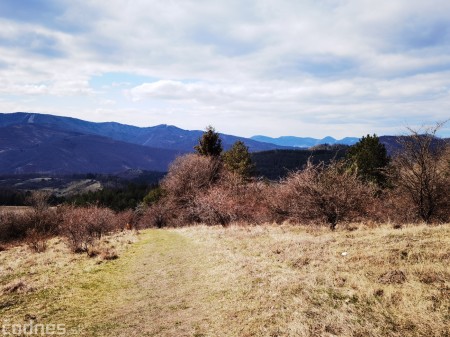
(162, 287)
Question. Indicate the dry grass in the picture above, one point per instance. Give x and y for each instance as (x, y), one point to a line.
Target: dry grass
(43, 285)
(310, 282)
(241, 281)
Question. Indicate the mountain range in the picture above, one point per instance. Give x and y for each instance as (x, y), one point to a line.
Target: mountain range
(305, 142)
(160, 136)
(39, 143)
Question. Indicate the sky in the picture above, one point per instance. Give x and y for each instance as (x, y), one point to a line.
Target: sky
(265, 67)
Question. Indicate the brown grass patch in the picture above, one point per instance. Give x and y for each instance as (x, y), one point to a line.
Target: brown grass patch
(15, 287)
(393, 277)
(244, 281)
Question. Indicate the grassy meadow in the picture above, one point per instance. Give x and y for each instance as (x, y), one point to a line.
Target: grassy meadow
(237, 281)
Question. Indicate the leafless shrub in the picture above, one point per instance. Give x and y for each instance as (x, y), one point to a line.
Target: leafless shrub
(30, 224)
(188, 176)
(43, 221)
(396, 208)
(126, 220)
(198, 189)
(279, 198)
(215, 207)
(157, 215)
(328, 194)
(13, 226)
(39, 200)
(37, 241)
(421, 174)
(83, 226)
(233, 200)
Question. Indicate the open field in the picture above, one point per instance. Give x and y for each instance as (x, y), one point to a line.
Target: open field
(238, 281)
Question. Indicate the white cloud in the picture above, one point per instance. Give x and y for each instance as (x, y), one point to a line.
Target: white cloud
(298, 67)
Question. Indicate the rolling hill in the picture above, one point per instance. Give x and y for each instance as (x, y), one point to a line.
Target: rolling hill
(31, 148)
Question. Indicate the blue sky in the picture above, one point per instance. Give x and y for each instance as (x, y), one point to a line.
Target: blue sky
(273, 67)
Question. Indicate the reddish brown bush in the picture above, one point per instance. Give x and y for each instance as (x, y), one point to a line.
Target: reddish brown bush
(188, 177)
(198, 190)
(82, 226)
(33, 225)
(233, 200)
(328, 194)
(13, 226)
(157, 215)
(190, 174)
(126, 220)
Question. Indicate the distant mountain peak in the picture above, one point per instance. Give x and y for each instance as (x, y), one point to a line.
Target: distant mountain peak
(328, 139)
(304, 142)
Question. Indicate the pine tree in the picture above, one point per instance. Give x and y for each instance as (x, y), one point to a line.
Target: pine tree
(210, 143)
(238, 160)
(369, 158)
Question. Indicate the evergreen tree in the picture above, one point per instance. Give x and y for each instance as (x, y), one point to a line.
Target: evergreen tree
(238, 160)
(209, 144)
(369, 158)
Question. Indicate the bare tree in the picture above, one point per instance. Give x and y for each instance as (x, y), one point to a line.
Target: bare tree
(421, 173)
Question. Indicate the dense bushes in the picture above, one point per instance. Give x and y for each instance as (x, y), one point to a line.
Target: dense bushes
(233, 200)
(80, 226)
(189, 176)
(208, 189)
(13, 226)
(199, 190)
(35, 223)
(327, 194)
(33, 226)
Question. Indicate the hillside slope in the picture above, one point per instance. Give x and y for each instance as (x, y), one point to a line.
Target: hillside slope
(31, 148)
(278, 164)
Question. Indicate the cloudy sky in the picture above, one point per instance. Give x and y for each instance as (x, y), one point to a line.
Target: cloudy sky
(273, 67)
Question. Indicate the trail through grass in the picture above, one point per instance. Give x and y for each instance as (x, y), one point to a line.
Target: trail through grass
(166, 290)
